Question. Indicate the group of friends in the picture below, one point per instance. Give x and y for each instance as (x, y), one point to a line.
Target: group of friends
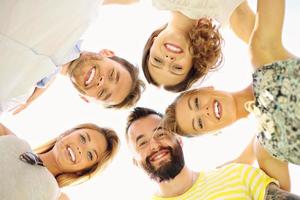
(176, 55)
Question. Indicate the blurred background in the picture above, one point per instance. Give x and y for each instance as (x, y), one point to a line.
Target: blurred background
(124, 29)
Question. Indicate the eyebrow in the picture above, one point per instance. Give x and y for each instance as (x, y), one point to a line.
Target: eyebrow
(88, 136)
(107, 96)
(138, 138)
(117, 77)
(189, 103)
(193, 124)
(96, 154)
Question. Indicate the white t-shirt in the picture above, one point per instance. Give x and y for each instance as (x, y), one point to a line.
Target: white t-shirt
(35, 37)
(20, 180)
(220, 10)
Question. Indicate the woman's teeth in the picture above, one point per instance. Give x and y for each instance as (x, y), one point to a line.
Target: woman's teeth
(173, 48)
(71, 154)
(91, 77)
(217, 110)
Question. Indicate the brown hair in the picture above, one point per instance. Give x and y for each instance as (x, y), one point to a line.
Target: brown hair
(169, 119)
(206, 51)
(66, 179)
(137, 86)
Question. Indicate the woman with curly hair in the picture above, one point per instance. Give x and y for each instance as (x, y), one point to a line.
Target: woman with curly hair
(189, 45)
(71, 158)
(273, 97)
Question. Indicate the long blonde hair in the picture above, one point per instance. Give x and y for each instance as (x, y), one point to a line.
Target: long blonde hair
(66, 179)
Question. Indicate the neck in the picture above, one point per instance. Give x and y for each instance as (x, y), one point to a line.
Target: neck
(50, 162)
(241, 97)
(179, 185)
(181, 22)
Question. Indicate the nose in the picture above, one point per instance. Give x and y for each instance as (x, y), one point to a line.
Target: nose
(169, 57)
(100, 81)
(154, 145)
(79, 150)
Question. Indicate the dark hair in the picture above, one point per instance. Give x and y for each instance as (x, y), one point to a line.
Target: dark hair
(137, 84)
(206, 50)
(137, 113)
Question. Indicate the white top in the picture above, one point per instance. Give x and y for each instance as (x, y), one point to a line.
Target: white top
(35, 37)
(20, 180)
(220, 10)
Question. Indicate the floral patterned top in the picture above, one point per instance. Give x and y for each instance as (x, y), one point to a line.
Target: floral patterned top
(277, 106)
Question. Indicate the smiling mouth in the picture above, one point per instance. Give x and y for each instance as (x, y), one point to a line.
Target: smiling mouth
(90, 76)
(173, 48)
(160, 155)
(71, 154)
(217, 109)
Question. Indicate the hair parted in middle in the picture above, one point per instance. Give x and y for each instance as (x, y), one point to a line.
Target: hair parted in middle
(206, 51)
(137, 86)
(66, 179)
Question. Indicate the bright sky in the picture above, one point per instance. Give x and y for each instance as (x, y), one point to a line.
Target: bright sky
(124, 29)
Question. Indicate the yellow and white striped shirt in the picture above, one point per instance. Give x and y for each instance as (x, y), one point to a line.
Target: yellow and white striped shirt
(233, 181)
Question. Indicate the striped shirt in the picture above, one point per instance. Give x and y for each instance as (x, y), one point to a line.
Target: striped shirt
(233, 181)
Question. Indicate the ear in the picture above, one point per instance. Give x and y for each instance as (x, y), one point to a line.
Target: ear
(106, 53)
(84, 98)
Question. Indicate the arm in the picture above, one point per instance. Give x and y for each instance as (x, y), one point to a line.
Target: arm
(105, 2)
(273, 167)
(242, 21)
(63, 196)
(5, 131)
(274, 192)
(265, 42)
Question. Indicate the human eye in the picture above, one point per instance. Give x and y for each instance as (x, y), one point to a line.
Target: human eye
(200, 123)
(90, 155)
(142, 144)
(157, 60)
(82, 139)
(111, 75)
(196, 101)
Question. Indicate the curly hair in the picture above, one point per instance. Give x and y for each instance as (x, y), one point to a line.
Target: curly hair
(206, 51)
(137, 86)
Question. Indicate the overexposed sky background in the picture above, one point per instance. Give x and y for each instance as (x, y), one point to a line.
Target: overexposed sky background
(125, 29)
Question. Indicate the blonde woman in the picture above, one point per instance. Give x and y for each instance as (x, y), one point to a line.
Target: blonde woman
(71, 158)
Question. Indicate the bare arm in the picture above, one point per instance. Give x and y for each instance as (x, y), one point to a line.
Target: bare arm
(242, 21)
(273, 192)
(273, 167)
(5, 131)
(265, 42)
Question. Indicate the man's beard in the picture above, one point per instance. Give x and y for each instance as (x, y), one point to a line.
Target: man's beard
(169, 169)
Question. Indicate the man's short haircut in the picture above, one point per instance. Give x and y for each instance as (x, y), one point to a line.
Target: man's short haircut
(138, 113)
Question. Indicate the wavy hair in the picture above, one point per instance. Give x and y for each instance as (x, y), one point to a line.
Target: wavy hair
(66, 179)
(206, 51)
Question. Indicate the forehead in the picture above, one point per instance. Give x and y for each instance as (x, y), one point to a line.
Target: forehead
(144, 126)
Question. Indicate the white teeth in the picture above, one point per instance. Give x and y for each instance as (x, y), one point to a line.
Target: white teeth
(159, 156)
(71, 153)
(87, 82)
(172, 48)
(217, 110)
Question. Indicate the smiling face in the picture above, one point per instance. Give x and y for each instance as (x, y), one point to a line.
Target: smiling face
(170, 59)
(102, 79)
(205, 110)
(79, 150)
(155, 149)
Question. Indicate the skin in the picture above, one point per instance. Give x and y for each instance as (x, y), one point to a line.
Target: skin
(196, 112)
(143, 129)
(273, 192)
(87, 145)
(110, 85)
(167, 67)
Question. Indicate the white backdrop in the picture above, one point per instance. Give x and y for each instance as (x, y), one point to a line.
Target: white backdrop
(124, 29)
